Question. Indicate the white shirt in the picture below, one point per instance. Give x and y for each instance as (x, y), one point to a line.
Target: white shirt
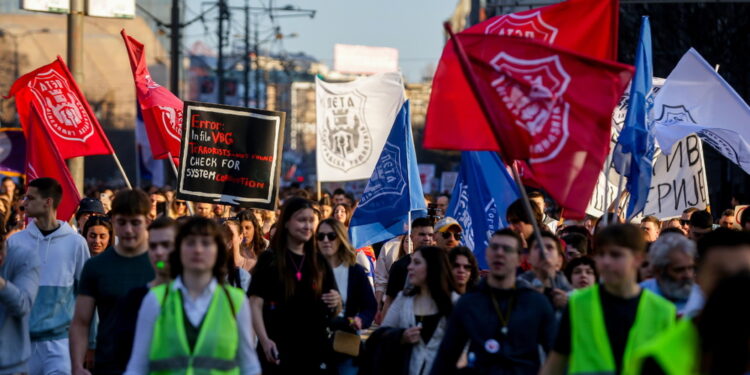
(195, 309)
(341, 274)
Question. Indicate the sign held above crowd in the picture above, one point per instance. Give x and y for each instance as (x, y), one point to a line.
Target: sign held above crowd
(230, 155)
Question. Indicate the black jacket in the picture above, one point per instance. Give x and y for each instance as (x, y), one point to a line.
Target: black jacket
(360, 299)
(474, 320)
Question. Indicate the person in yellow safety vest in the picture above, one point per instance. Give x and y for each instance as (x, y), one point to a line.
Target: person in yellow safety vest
(718, 336)
(715, 342)
(196, 324)
(604, 324)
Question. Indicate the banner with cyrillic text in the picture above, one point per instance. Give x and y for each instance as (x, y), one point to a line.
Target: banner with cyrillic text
(230, 155)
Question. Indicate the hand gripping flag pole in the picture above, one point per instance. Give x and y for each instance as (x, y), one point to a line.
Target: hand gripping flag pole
(488, 114)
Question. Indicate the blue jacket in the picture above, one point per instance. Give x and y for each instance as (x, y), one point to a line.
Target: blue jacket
(20, 269)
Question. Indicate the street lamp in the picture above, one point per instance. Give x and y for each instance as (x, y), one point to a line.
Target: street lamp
(15, 37)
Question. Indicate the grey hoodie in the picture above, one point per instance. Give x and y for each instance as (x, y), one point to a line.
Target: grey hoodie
(20, 269)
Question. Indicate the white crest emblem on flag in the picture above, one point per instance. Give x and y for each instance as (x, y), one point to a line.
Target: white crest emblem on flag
(533, 91)
(172, 120)
(531, 26)
(64, 113)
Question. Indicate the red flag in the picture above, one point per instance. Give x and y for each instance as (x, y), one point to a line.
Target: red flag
(62, 110)
(588, 27)
(162, 110)
(549, 107)
(43, 160)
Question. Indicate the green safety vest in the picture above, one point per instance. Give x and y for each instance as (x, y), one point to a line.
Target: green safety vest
(215, 351)
(591, 353)
(676, 351)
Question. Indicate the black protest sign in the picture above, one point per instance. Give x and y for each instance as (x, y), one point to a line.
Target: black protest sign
(230, 155)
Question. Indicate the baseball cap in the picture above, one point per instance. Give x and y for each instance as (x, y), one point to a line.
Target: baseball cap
(445, 223)
(91, 205)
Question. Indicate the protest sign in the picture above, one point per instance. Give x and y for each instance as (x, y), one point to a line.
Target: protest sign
(679, 180)
(230, 155)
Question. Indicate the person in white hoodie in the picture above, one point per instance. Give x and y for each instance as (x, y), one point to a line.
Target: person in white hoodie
(62, 253)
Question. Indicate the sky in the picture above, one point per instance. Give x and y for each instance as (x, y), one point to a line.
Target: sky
(414, 27)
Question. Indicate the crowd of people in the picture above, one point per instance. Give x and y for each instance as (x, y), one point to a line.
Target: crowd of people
(141, 282)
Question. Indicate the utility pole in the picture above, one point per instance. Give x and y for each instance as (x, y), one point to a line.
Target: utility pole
(220, 64)
(75, 63)
(246, 73)
(174, 66)
(257, 69)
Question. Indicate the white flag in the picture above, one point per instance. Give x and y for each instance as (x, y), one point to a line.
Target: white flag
(695, 99)
(354, 120)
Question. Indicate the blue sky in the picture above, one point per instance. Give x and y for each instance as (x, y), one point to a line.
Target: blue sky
(414, 27)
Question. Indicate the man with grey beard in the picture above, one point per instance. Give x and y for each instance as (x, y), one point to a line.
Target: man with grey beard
(672, 258)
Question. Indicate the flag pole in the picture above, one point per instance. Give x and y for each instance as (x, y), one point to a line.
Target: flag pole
(468, 72)
(607, 169)
(620, 181)
(119, 166)
(177, 176)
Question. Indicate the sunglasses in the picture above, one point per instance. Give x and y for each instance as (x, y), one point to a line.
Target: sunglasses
(178, 203)
(684, 222)
(330, 235)
(447, 235)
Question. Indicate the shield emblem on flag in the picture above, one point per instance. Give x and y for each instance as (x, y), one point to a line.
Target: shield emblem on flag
(346, 139)
(530, 25)
(388, 177)
(171, 119)
(64, 113)
(533, 91)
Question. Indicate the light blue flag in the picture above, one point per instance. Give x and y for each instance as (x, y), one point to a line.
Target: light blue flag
(482, 194)
(634, 154)
(393, 190)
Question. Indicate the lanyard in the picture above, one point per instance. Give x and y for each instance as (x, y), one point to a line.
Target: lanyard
(504, 318)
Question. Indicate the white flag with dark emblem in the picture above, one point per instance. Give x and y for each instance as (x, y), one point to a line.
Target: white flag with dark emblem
(695, 99)
(354, 120)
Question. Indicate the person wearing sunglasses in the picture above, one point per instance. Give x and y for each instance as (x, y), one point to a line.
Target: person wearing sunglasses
(447, 233)
(356, 292)
(178, 208)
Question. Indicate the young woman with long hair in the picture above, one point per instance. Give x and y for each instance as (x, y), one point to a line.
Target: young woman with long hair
(236, 275)
(422, 310)
(196, 322)
(465, 269)
(293, 295)
(356, 292)
(343, 213)
(253, 243)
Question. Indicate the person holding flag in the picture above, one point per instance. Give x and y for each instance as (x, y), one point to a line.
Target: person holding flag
(605, 324)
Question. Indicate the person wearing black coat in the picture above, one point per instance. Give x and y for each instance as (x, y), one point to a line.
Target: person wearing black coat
(356, 291)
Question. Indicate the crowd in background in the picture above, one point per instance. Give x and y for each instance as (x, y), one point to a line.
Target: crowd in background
(143, 282)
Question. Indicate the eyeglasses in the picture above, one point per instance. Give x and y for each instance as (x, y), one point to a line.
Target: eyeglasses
(178, 203)
(506, 248)
(447, 235)
(330, 235)
(684, 222)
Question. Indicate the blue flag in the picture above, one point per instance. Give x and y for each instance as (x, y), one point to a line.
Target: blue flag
(394, 190)
(483, 192)
(634, 154)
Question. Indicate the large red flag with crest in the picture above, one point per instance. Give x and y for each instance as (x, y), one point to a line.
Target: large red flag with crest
(43, 160)
(62, 109)
(162, 110)
(588, 27)
(549, 107)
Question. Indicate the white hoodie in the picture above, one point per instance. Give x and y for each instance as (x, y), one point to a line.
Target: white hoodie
(61, 257)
